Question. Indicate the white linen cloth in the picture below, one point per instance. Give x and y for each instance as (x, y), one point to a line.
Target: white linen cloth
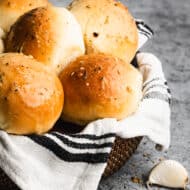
(152, 119)
(58, 161)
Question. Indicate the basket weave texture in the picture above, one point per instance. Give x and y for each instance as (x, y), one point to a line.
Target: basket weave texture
(121, 152)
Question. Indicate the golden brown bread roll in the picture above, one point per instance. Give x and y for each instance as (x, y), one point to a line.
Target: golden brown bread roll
(51, 35)
(99, 86)
(31, 96)
(107, 26)
(11, 10)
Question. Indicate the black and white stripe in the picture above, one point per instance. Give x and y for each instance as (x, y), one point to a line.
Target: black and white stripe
(145, 33)
(92, 137)
(73, 151)
(152, 81)
(157, 88)
(144, 29)
(73, 144)
(157, 95)
(87, 138)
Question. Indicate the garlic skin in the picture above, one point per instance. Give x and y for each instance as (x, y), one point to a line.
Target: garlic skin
(169, 173)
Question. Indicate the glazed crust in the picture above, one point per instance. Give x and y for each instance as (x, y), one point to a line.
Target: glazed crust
(108, 27)
(99, 86)
(31, 97)
(11, 10)
(50, 34)
(29, 35)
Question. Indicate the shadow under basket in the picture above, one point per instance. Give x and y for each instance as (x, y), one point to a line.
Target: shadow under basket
(121, 151)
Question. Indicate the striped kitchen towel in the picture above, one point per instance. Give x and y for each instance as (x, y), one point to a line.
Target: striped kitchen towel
(59, 161)
(152, 118)
(144, 32)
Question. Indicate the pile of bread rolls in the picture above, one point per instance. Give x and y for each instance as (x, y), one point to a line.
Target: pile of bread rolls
(71, 63)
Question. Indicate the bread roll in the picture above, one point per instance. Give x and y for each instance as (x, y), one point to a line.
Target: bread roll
(50, 34)
(99, 86)
(107, 26)
(10, 10)
(31, 97)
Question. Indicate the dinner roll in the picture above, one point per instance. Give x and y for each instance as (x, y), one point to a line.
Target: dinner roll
(31, 96)
(107, 26)
(99, 86)
(50, 34)
(11, 10)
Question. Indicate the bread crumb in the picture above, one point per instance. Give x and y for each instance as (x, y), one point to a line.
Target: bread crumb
(136, 180)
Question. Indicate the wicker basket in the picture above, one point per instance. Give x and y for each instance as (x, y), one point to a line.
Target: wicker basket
(122, 150)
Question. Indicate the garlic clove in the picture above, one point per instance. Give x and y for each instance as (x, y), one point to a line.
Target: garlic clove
(169, 173)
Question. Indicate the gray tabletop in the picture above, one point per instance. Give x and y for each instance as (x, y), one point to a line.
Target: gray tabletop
(170, 20)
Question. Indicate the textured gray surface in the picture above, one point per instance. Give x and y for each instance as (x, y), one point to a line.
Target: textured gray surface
(170, 20)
